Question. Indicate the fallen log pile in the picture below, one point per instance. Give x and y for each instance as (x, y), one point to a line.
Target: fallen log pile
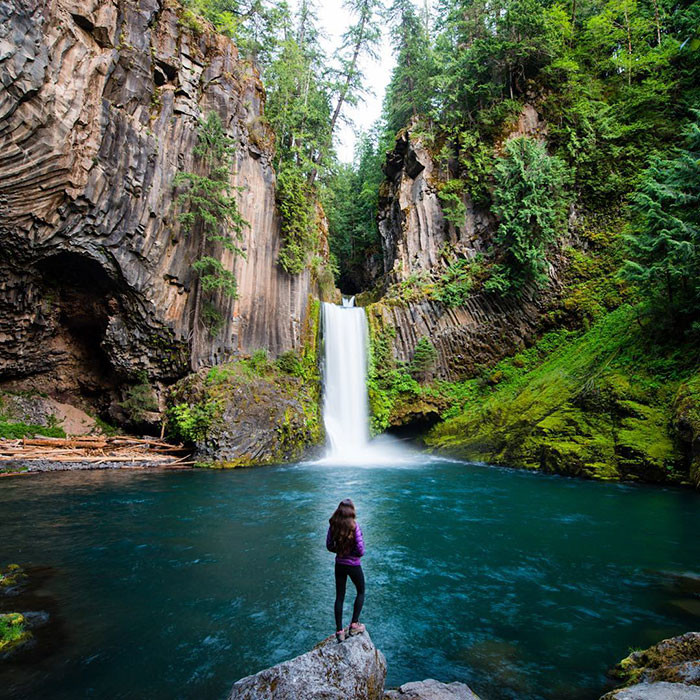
(94, 450)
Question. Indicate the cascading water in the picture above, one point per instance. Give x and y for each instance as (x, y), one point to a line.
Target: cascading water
(345, 407)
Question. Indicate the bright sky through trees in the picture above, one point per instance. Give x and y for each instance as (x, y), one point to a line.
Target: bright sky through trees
(335, 19)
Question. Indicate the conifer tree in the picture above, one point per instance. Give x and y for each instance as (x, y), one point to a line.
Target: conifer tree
(210, 212)
(665, 245)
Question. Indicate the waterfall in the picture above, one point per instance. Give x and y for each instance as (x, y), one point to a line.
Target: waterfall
(345, 405)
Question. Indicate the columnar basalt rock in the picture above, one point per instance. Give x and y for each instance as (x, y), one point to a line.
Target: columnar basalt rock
(415, 236)
(99, 108)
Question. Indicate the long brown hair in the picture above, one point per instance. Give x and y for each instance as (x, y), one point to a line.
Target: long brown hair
(343, 526)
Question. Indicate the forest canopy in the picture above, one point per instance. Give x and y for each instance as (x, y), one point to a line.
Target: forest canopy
(615, 81)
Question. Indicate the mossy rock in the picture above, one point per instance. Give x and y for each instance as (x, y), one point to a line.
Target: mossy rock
(644, 446)
(686, 420)
(13, 633)
(247, 413)
(576, 413)
(675, 660)
(12, 576)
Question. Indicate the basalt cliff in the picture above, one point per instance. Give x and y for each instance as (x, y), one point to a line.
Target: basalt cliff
(99, 109)
(558, 378)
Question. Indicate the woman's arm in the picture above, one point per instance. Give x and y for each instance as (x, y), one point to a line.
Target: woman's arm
(329, 542)
(359, 541)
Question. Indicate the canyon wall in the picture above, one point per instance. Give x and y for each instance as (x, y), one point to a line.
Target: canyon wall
(99, 109)
(415, 237)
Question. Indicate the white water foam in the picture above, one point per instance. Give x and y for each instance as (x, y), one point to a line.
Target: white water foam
(345, 403)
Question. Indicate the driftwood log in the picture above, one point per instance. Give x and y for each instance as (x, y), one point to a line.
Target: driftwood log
(96, 449)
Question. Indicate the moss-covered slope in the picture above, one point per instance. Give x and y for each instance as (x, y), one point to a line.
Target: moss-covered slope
(600, 404)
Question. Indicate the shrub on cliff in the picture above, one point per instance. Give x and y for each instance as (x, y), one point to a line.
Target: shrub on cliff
(529, 199)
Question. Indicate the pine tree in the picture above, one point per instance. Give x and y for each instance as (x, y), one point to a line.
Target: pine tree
(210, 211)
(410, 89)
(529, 200)
(665, 244)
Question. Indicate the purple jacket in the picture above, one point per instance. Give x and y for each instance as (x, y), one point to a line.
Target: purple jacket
(353, 556)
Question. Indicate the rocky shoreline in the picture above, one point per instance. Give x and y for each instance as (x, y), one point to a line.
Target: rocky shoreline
(356, 670)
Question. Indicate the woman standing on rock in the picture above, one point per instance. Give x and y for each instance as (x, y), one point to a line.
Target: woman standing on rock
(345, 539)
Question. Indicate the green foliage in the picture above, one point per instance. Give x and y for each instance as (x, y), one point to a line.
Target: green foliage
(105, 428)
(298, 212)
(140, 399)
(212, 318)
(387, 380)
(350, 199)
(191, 422)
(12, 631)
(459, 281)
(213, 276)
(15, 431)
(451, 194)
(208, 202)
(259, 362)
(290, 363)
(423, 361)
(409, 92)
(210, 210)
(529, 199)
(665, 240)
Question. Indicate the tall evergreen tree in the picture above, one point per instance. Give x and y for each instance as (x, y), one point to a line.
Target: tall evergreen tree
(665, 244)
(410, 89)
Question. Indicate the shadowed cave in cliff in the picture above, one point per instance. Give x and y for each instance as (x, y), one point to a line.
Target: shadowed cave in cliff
(83, 296)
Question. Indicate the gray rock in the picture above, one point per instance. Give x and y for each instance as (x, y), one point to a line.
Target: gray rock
(99, 103)
(353, 670)
(655, 691)
(431, 689)
(674, 660)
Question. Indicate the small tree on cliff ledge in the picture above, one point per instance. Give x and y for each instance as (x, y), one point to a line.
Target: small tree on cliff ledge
(529, 199)
(210, 211)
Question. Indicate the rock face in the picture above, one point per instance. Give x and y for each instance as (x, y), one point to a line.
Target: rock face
(431, 690)
(668, 670)
(412, 224)
(238, 418)
(99, 108)
(353, 670)
(415, 235)
(655, 691)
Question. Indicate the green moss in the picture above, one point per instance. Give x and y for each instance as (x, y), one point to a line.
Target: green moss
(15, 431)
(597, 406)
(13, 631)
(12, 575)
(662, 662)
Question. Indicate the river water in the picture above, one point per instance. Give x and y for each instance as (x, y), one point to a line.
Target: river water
(173, 585)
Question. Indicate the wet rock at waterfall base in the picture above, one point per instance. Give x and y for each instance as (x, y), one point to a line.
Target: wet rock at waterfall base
(352, 670)
(431, 689)
(242, 415)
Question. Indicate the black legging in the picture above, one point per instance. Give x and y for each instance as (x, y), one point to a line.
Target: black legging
(342, 571)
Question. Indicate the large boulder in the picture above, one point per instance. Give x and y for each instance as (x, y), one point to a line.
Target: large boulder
(655, 691)
(667, 670)
(431, 689)
(353, 670)
(246, 413)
